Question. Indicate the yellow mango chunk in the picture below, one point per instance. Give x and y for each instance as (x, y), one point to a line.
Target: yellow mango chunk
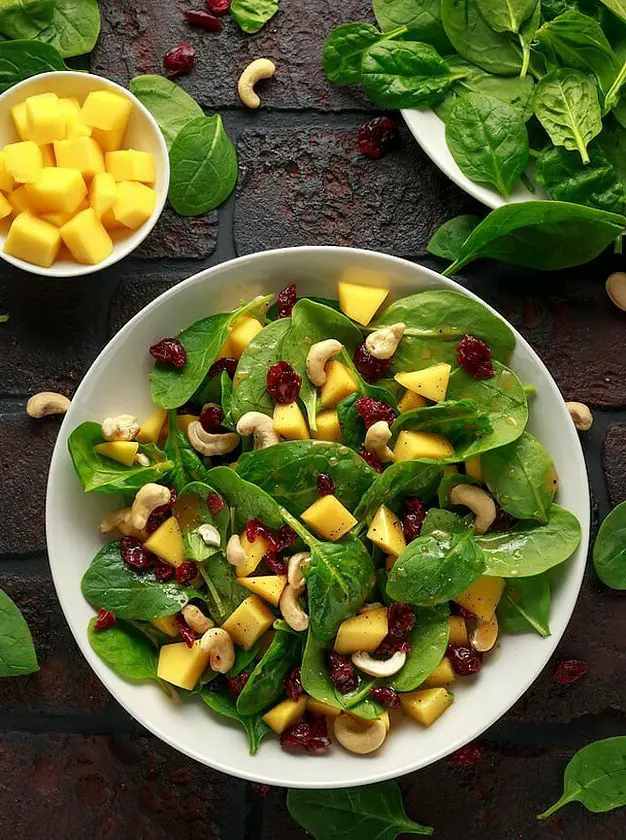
(360, 302)
(47, 155)
(23, 161)
(285, 714)
(87, 238)
(413, 445)
(32, 240)
(426, 704)
(109, 141)
(254, 551)
(482, 596)
(45, 120)
(5, 208)
(74, 125)
(458, 630)
(18, 114)
(319, 709)
(386, 532)
(431, 382)
(268, 587)
(58, 219)
(122, 451)
(442, 675)
(328, 427)
(131, 165)
(110, 222)
(339, 383)
(166, 625)
(106, 110)
(329, 518)
(362, 632)
(411, 400)
(102, 193)
(57, 190)
(20, 200)
(242, 332)
(134, 204)
(249, 622)
(150, 429)
(289, 422)
(82, 153)
(6, 179)
(167, 542)
(181, 665)
(474, 469)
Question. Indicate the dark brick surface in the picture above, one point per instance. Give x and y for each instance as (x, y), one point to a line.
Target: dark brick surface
(614, 459)
(137, 288)
(178, 236)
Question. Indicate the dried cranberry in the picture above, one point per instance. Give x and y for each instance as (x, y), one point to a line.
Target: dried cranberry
(293, 684)
(373, 411)
(218, 7)
(169, 351)
(134, 554)
(503, 521)
(275, 564)
(325, 485)
(161, 513)
(255, 528)
(203, 19)
(286, 301)
(186, 572)
(400, 622)
(413, 517)
(342, 673)
(370, 368)
(179, 60)
(283, 383)
(225, 363)
(285, 538)
(211, 418)
(217, 684)
(236, 684)
(457, 609)
(372, 460)
(475, 356)
(569, 671)
(467, 756)
(310, 735)
(163, 571)
(378, 136)
(214, 503)
(186, 633)
(105, 620)
(386, 697)
(465, 660)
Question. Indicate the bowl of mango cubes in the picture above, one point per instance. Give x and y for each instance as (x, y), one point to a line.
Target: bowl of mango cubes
(84, 173)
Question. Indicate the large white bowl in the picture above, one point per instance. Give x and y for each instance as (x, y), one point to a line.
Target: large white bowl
(142, 133)
(118, 382)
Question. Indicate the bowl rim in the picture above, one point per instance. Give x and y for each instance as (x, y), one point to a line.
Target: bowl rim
(255, 773)
(114, 257)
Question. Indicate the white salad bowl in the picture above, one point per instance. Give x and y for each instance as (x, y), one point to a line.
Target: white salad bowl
(117, 382)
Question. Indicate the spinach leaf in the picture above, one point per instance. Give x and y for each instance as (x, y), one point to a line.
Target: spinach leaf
(110, 583)
(525, 606)
(351, 422)
(74, 28)
(462, 422)
(224, 593)
(20, 60)
(25, 18)
(447, 483)
(618, 7)
(565, 178)
(191, 511)
(609, 550)
(421, 17)
(441, 524)
(405, 74)
(168, 103)
(374, 811)
(547, 235)
(595, 777)
(404, 478)
(446, 242)
(248, 500)
(519, 17)
(223, 704)
(488, 140)
(522, 478)
(510, 89)
(531, 548)
(203, 166)
(344, 49)
(265, 684)
(243, 658)
(250, 382)
(252, 15)
(566, 104)
(428, 642)
(473, 38)
(125, 650)
(17, 652)
(553, 8)
(187, 465)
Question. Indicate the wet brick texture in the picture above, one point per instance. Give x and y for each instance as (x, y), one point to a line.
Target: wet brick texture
(72, 763)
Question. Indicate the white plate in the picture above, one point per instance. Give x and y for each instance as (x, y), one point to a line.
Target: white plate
(118, 382)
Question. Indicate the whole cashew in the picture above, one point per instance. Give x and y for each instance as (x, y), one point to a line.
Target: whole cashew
(122, 427)
(114, 520)
(485, 634)
(209, 535)
(235, 552)
(209, 444)
(148, 498)
(291, 609)
(196, 619)
(359, 736)
(478, 501)
(379, 667)
(317, 357)
(295, 578)
(259, 425)
(376, 439)
(46, 403)
(616, 289)
(220, 646)
(383, 343)
(260, 68)
(581, 416)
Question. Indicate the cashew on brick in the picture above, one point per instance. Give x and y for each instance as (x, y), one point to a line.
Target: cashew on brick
(259, 425)
(295, 578)
(260, 68)
(122, 427)
(359, 736)
(209, 444)
(383, 343)
(235, 552)
(616, 289)
(291, 609)
(196, 619)
(581, 415)
(376, 439)
(148, 498)
(218, 644)
(478, 501)
(46, 403)
(318, 356)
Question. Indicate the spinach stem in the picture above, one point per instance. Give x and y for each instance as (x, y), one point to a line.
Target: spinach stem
(298, 527)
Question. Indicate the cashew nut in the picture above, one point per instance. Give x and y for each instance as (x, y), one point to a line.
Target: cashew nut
(484, 635)
(46, 403)
(295, 578)
(148, 498)
(259, 425)
(379, 667)
(383, 343)
(358, 735)
(478, 501)
(196, 619)
(142, 460)
(260, 68)
(122, 427)
(291, 609)
(209, 535)
(317, 357)
(616, 289)
(375, 605)
(376, 439)
(235, 552)
(114, 520)
(209, 444)
(581, 416)
(219, 645)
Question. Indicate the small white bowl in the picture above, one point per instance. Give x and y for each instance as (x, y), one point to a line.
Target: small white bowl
(142, 133)
(118, 383)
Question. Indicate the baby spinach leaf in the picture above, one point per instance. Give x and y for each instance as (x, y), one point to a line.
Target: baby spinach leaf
(74, 27)
(125, 650)
(553, 8)
(446, 242)
(374, 811)
(25, 18)
(250, 382)
(224, 593)
(265, 684)
(525, 606)
(421, 17)
(531, 548)
(609, 550)
(203, 165)
(110, 583)
(595, 777)
(441, 524)
(428, 642)
(243, 658)
(223, 704)
(565, 178)
(248, 500)
(187, 465)
(473, 38)
(191, 511)
(462, 422)
(446, 484)
(404, 478)
(168, 103)
(252, 15)
(351, 422)
(618, 7)
(344, 49)
(522, 478)
(510, 89)
(506, 15)
(20, 60)
(17, 652)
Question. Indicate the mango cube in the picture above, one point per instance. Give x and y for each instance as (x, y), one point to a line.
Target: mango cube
(150, 429)
(5, 208)
(131, 165)
(57, 190)
(82, 153)
(18, 114)
(87, 238)
(32, 240)
(319, 709)
(166, 625)
(122, 451)
(255, 552)
(411, 400)
(289, 422)
(58, 218)
(20, 200)
(134, 204)
(442, 675)
(74, 125)
(102, 193)
(249, 622)
(339, 383)
(426, 704)
(23, 161)
(474, 469)
(362, 632)
(329, 518)
(411, 446)
(109, 141)
(45, 120)
(106, 110)
(181, 665)
(458, 630)
(482, 596)
(268, 587)
(328, 427)
(386, 532)
(167, 542)
(285, 714)
(242, 332)
(431, 382)
(6, 179)
(360, 302)
(183, 421)
(47, 155)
